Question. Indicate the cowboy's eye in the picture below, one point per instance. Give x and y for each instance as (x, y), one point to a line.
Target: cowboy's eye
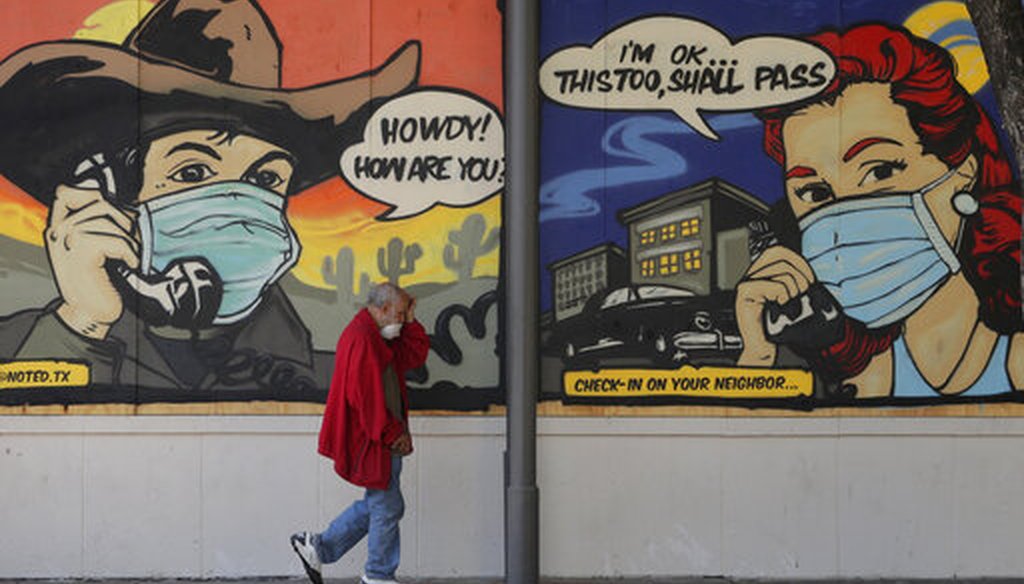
(267, 179)
(815, 193)
(881, 170)
(193, 173)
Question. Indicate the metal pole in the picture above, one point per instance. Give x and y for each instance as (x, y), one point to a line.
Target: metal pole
(521, 373)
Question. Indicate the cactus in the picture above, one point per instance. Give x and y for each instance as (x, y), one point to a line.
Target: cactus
(390, 259)
(364, 287)
(340, 272)
(470, 245)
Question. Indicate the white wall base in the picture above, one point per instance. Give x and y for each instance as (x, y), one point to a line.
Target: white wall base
(200, 497)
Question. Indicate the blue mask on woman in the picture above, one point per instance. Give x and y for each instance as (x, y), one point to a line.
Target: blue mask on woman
(880, 256)
(240, 229)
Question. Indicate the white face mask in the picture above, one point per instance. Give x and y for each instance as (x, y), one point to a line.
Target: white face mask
(240, 229)
(391, 331)
(880, 256)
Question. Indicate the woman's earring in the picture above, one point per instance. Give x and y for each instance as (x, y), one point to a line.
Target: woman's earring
(965, 204)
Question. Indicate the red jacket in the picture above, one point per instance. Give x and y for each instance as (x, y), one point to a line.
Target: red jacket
(357, 428)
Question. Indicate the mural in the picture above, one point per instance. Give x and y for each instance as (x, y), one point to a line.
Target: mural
(196, 195)
(775, 204)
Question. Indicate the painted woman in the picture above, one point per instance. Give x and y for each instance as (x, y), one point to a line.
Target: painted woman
(908, 214)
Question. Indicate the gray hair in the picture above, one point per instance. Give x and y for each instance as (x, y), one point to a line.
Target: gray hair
(383, 294)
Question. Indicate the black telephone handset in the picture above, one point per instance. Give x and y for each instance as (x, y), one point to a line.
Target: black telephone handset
(813, 319)
(186, 294)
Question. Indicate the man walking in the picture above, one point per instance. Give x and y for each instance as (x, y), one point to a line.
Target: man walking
(365, 432)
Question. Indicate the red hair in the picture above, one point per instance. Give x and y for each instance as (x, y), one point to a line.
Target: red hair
(951, 126)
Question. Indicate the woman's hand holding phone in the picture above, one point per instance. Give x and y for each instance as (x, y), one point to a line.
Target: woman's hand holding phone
(778, 275)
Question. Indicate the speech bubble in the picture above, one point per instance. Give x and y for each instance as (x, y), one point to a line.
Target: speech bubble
(685, 66)
(431, 147)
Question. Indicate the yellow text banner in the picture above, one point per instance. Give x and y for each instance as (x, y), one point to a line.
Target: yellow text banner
(33, 374)
(689, 381)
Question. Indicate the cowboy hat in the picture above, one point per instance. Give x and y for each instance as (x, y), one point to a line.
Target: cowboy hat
(189, 64)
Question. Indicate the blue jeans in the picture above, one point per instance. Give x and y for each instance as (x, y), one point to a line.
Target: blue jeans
(375, 515)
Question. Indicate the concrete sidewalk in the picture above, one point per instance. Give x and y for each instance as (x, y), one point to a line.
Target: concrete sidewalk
(652, 580)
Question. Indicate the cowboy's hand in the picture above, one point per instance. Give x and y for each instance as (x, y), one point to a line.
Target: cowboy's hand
(84, 232)
(410, 312)
(402, 445)
(778, 275)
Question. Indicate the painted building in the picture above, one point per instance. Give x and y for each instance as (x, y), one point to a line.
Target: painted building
(694, 238)
(580, 276)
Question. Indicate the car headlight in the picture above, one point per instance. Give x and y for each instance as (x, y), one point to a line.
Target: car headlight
(702, 321)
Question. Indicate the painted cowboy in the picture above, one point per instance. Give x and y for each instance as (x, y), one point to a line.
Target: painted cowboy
(166, 163)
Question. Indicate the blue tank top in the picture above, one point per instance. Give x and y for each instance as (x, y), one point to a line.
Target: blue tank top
(908, 381)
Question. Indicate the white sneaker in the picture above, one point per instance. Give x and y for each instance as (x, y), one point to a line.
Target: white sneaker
(302, 543)
(368, 580)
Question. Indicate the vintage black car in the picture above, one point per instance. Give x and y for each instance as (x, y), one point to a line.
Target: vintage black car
(639, 325)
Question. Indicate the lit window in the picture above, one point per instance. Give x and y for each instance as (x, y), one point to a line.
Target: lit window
(668, 232)
(647, 268)
(692, 260)
(689, 227)
(647, 237)
(668, 264)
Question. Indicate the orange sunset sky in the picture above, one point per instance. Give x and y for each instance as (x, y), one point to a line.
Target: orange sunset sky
(323, 40)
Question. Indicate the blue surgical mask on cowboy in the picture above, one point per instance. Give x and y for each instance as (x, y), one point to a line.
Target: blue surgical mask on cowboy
(880, 256)
(240, 229)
